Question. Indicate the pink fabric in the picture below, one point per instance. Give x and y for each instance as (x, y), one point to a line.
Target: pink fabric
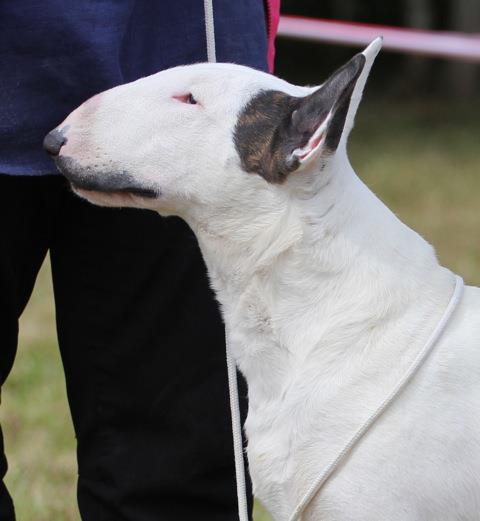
(272, 10)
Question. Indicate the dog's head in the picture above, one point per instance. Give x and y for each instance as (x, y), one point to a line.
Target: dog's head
(220, 136)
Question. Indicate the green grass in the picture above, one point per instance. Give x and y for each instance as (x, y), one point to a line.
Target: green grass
(423, 161)
(38, 434)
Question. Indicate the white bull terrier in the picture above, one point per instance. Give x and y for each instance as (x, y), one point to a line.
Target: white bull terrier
(327, 297)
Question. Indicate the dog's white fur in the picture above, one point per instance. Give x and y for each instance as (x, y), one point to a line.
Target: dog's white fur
(327, 297)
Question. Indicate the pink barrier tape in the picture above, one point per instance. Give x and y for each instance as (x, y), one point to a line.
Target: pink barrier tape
(461, 46)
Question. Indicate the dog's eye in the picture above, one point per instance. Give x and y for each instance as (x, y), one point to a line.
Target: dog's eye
(186, 98)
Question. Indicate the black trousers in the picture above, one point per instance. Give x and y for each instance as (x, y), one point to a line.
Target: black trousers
(142, 344)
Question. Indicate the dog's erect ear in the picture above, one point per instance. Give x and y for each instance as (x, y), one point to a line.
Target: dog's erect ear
(276, 133)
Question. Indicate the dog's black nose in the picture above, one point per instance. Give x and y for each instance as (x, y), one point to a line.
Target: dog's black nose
(53, 142)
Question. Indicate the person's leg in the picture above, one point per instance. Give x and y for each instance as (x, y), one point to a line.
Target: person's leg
(143, 347)
(25, 217)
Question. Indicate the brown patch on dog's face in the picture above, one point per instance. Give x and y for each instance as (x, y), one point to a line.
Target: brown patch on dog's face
(261, 135)
(274, 124)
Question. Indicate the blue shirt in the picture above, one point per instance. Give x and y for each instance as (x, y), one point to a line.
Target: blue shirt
(55, 54)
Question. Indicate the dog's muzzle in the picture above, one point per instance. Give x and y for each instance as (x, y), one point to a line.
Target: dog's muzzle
(90, 179)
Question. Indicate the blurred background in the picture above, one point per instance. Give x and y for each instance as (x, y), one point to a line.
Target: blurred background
(396, 75)
(416, 144)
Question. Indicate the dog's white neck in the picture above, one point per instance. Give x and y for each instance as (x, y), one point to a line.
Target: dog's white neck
(325, 269)
(326, 298)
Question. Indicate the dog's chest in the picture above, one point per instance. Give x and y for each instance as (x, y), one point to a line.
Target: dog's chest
(263, 359)
(256, 344)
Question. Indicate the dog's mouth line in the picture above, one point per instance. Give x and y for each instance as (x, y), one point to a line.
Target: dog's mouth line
(106, 184)
(147, 193)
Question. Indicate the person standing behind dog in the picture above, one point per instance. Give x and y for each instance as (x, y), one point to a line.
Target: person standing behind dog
(141, 338)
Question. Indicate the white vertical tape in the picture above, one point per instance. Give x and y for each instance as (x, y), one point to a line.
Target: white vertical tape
(210, 30)
(232, 370)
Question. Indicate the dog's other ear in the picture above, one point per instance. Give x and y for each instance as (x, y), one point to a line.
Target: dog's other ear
(277, 133)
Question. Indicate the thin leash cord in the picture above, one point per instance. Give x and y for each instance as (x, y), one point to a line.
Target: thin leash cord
(412, 369)
(231, 367)
(237, 439)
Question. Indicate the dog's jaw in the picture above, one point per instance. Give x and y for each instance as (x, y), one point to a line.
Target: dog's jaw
(114, 199)
(117, 189)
